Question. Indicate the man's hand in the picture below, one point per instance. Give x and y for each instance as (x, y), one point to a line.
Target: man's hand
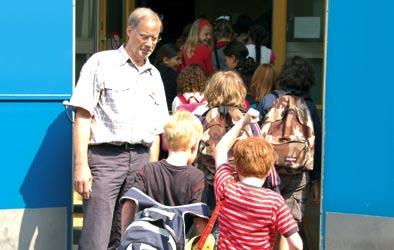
(83, 180)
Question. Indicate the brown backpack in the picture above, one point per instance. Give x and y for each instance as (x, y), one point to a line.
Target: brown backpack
(216, 122)
(288, 126)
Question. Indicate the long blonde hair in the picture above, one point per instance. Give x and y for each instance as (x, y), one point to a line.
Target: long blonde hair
(263, 81)
(193, 38)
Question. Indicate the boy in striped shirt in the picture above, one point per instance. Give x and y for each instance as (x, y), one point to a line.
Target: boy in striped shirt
(250, 216)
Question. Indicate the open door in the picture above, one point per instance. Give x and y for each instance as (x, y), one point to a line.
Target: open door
(299, 29)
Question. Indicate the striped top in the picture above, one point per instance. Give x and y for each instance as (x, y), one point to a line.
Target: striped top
(250, 217)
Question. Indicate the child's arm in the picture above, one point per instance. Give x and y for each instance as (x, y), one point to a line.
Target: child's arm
(127, 215)
(199, 224)
(295, 242)
(229, 138)
(155, 149)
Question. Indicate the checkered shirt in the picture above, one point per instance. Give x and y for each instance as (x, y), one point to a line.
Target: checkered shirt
(127, 103)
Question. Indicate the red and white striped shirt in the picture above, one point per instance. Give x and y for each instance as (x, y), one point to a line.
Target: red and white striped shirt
(250, 216)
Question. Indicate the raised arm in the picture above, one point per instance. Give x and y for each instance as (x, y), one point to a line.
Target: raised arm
(229, 138)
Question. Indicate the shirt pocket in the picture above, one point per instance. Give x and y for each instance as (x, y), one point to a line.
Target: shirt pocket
(117, 97)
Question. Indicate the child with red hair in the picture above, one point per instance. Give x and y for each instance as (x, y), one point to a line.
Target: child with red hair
(251, 215)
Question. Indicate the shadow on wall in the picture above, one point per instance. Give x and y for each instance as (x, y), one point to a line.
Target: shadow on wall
(46, 191)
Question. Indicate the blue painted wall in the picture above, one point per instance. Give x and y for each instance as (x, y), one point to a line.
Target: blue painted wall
(359, 109)
(36, 47)
(359, 138)
(36, 153)
(36, 62)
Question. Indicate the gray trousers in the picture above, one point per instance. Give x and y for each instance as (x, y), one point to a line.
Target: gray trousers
(294, 189)
(113, 170)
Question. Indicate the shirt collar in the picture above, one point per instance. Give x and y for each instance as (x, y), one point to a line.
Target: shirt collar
(125, 58)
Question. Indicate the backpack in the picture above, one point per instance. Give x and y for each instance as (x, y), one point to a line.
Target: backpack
(216, 122)
(197, 107)
(288, 126)
(157, 226)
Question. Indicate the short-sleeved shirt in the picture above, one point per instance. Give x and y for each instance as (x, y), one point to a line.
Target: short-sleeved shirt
(250, 216)
(127, 103)
(266, 54)
(171, 185)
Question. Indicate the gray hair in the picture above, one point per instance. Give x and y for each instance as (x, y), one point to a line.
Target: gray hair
(142, 13)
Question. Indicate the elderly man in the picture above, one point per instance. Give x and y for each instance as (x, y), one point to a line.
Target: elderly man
(120, 109)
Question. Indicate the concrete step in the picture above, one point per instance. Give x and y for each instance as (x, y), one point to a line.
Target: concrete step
(77, 219)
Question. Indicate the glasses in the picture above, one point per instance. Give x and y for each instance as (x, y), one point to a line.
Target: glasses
(146, 37)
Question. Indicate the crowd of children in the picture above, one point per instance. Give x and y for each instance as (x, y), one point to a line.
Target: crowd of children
(214, 67)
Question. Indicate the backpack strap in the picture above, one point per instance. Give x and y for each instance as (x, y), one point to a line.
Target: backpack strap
(208, 228)
(266, 103)
(195, 99)
(140, 198)
(215, 51)
(183, 99)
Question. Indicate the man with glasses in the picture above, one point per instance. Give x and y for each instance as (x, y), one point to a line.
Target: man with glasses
(120, 109)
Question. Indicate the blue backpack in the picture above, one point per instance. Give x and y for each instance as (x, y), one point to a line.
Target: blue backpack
(157, 226)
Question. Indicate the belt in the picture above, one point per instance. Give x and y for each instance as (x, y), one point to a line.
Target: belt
(125, 146)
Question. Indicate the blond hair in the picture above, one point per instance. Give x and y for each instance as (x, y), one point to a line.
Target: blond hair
(194, 37)
(143, 13)
(263, 81)
(253, 157)
(182, 131)
(225, 88)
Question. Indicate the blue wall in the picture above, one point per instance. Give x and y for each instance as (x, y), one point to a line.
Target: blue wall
(359, 138)
(36, 62)
(36, 47)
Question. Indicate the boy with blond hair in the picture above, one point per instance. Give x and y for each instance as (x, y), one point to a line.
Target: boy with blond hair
(251, 215)
(173, 181)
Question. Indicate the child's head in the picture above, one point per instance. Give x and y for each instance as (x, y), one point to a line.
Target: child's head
(263, 81)
(234, 52)
(200, 32)
(258, 34)
(203, 29)
(183, 132)
(222, 29)
(253, 157)
(170, 55)
(297, 75)
(191, 79)
(225, 88)
(242, 24)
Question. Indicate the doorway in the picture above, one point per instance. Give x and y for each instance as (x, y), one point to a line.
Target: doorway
(297, 27)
